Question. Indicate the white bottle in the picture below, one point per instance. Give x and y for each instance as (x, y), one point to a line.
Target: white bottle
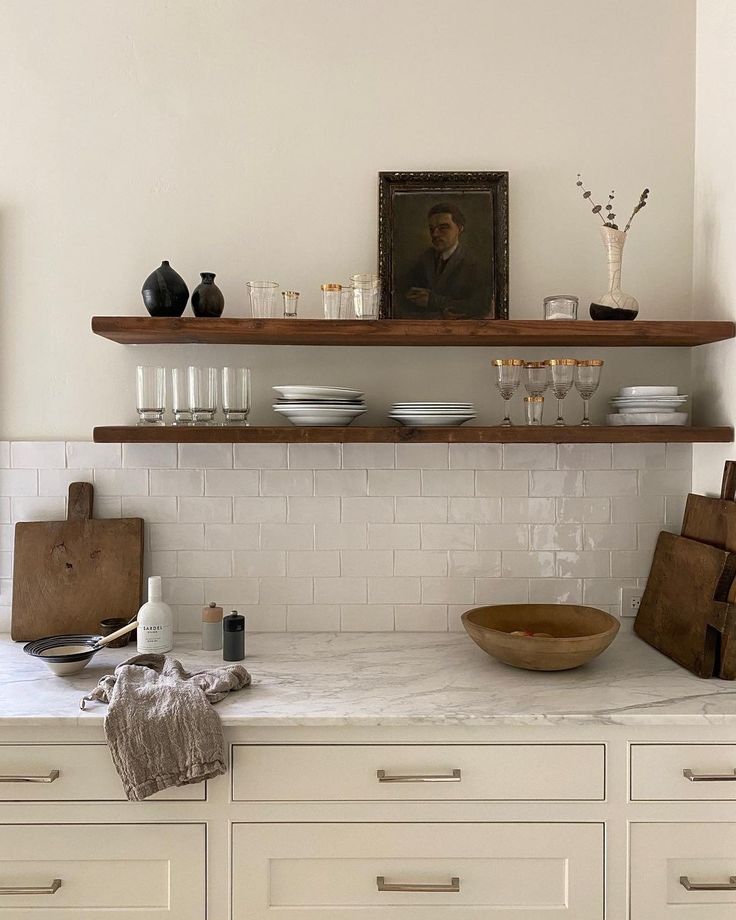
(155, 622)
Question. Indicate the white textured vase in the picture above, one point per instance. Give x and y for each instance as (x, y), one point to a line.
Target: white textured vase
(613, 241)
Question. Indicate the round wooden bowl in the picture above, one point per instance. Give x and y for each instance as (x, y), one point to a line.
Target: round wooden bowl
(579, 634)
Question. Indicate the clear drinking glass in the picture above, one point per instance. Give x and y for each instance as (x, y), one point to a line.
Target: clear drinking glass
(561, 306)
(262, 298)
(180, 396)
(536, 377)
(203, 394)
(562, 371)
(291, 301)
(587, 378)
(331, 297)
(236, 395)
(366, 295)
(508, 378)
(533, 408)
(347, 304)
(150, 394)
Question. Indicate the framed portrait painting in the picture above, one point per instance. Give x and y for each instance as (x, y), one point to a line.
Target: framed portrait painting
(443, 249)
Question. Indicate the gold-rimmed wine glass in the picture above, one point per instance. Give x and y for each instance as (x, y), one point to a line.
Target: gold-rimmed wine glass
(587, 378)
(536, 377)
(508, 378)
(562, 372)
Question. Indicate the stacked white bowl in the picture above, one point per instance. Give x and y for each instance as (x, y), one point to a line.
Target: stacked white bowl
(313, 406)
(648, 405)
(432, 414)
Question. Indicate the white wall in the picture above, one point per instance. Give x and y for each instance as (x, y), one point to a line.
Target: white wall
(714, 281)
(244, 137)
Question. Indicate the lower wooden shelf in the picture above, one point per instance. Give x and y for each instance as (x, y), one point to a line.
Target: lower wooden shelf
(547, 434)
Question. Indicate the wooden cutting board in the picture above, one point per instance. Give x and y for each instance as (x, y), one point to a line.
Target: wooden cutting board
(713, 520)
(68, 575)
(683, 612)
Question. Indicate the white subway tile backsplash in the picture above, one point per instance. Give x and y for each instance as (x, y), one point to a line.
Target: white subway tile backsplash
(87, 455)
(149, 456)
(448, 482)
(159, 509)
(556, 536)
(313, 563)
(502, 482)
(555, 483)
(422, 456)
(583, 565)
(254, 563)
(474, 510)
(232, 536)
(343, 590)
(475, 563)
(6, 565)
(161, 563)
(287, 536)
(368, 456)
(611, 482)
(528, 510)
(419, 562)
(121, 482)
(231, 592)
(475, 456)
(630, 565)
(177, 482)
(501, 536)
(231, 482)
(366, 618)
(264, 617)
(266, 510)
(20, 483)
(368, 562)
(312, 618)
(315, 456)
(420, 618)
(584, 456)
(205, 456)
(609, 536)
(38, 455)
(394, 536)
(108, 506)
(37, 509)
(394, 482)
(4, 510)
(207, 510)
(176, 536)
(4, 454)
(183, 590)
(501, 590)
(286, 590)
(448, 590)
(287, 482)
(605, 591)
(448, 536)
(664, 482)
(527, 565)
(679, 456)
(674, 511)
(341, 536)
(204, 565)
(584, 510)
(639, 456)
(394, 590)
(529, 456)
(634, 509)
(7, 536)
(555, 591)
(259, 456)
(341, 482)
(309, 509)
(421, 510)
(378, 509)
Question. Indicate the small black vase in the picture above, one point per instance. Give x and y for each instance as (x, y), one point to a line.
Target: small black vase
(164, 292)
(207, 298)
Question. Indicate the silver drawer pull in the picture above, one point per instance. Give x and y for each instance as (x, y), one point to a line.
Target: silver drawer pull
(52, 889)
(453, 887)
(709, 777)
(707, 886)
(53, 775)
(454, 777)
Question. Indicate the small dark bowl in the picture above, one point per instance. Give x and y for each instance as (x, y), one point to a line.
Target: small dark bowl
(111, 625)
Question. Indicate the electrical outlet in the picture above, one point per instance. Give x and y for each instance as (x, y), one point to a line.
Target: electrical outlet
(630, 601)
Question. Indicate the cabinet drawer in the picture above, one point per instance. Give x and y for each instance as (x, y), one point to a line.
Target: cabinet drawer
(350, 772)
(663, 856)
(658, 772)
(85, 773)
(336, 871)
(120, 871)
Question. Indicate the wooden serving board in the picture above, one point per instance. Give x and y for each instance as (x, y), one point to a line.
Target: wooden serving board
(713, 520)
(68, 575)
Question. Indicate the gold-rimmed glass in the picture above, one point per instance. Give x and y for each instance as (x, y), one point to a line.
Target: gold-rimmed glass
(536, 377)
(587, 378)
(562, 374)
(508, 378)
(533, 409)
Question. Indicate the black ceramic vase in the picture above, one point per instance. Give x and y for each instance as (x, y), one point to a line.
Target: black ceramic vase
(165, 292)
(207, 298)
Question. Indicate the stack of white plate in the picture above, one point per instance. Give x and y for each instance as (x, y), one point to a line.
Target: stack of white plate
(648, 406)
(319, 405)
(432, 414)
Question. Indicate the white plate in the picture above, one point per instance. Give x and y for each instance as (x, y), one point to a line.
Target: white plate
(432, 405)
(648, 391)
(648, 418)
(641, 400)
(461, 410)
(297, 392)
(633, 410)
(431, 421)
(317, 417)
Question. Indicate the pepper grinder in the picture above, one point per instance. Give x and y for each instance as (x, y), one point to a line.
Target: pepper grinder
(211, 628)
(233, 637)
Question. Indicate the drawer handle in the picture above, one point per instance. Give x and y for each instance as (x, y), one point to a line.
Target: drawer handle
(709, 777)
(52, 889)
(53, 775)
(707, 886)
(383, 885)
(454, 777)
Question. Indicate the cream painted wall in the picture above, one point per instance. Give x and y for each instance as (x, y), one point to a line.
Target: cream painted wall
(714, 279)
(244, 137)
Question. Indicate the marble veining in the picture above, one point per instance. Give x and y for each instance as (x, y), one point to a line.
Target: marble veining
(369, 679)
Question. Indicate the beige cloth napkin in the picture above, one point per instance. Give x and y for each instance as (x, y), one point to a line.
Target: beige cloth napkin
(160, 726)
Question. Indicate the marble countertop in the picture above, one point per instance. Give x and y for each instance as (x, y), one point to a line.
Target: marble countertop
(362, 679)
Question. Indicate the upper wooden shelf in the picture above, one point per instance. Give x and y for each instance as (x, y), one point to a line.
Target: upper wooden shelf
(145, 330)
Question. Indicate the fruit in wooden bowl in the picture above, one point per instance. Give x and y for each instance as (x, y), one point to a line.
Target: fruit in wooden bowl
(541, 637)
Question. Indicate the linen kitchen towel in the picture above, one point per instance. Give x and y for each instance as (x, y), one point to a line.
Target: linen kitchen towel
(160, 726)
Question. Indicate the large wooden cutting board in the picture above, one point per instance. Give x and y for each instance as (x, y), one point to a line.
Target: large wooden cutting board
(713, 520)
(68, 575)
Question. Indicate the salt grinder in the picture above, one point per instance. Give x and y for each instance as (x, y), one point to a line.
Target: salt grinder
(211, 628)
(233, 637)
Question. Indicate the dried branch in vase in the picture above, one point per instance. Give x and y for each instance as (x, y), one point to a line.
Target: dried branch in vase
(606, 213)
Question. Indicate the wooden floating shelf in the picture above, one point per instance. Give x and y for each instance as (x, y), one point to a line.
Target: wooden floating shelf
(572, 434)
(146, 330)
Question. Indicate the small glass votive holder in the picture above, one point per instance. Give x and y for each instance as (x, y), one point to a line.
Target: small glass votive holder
(561, 306)
(236, 395)
(533, 409)
(262, 296)
(150, 394)
(180, 396)
(291, 301)
(202, 394)
(366, 295)
(331, 298)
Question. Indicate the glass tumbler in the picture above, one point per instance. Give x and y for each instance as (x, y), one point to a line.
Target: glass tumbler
(366, 295)
(587, 378)
(533, 409)
(508, 378)
(347, 305)
(236, 395)
(291, 301)
(331, 298)
(536, 377)
(180, 396)
(561, 306)
(562, 371)
(203, 394)
(150, 394)
(262, 298)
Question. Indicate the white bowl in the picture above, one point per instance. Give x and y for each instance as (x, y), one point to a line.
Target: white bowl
(648, 418)
(431, 421)
(319, 416)
(648, 391)
(304, 392)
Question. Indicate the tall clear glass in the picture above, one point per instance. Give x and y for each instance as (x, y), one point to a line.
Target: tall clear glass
(587, 378)
(508, 378)
(150, 394)
(347, 304)
(262, 298)
(331, 296)
(180, 396)
(536, 377)
(203, 394)
(366, 295)
(562, 372)
(236, 395)
(533, 409)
